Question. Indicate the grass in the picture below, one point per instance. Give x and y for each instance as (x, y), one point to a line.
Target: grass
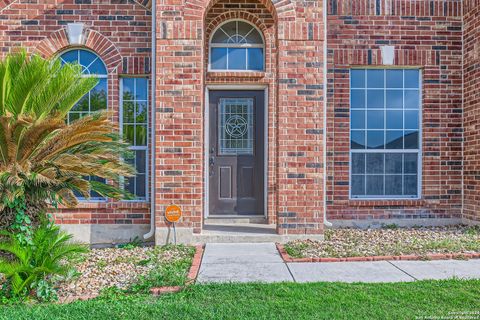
(168, 271)
(274, 301)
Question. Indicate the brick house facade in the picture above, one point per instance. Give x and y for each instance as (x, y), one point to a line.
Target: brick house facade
(310, 51)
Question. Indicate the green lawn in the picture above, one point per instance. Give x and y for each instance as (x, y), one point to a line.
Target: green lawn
(274, 301)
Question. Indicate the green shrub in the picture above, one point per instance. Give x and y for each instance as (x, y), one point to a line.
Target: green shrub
(29, 269)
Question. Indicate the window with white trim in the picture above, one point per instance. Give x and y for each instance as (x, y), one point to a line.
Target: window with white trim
(134, 124)
(95, 100)
(385, 133)
(237, 45)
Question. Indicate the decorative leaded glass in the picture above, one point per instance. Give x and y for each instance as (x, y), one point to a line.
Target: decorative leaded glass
(236, 127)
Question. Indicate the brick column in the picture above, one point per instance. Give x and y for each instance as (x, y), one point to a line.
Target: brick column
(471, 36)
(300, 123)
(179, 129)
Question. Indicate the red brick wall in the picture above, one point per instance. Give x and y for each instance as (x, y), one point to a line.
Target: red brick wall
(426, 34)
(119, 32)
(294, 77)
(471, 92)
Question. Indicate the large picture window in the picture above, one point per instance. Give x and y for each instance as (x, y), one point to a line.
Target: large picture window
(238, 46)
(134, 124)
(385, 118)
(95, 100)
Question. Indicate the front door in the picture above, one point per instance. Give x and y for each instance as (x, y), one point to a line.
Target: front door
(236, 155)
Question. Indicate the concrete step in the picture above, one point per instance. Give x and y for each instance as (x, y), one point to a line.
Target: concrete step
(238, 232)
(238, 228)
(235, 219)
(242, 232)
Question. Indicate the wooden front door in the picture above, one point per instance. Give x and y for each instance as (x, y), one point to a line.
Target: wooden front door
(236, 154)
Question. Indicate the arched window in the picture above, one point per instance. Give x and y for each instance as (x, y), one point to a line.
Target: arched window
(93, 101)
(92, 65)
(237, 45)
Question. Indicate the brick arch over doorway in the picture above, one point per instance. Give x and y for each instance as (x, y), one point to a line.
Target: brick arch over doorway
(294, 78)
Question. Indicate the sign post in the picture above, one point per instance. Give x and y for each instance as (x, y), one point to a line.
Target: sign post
(173, 213)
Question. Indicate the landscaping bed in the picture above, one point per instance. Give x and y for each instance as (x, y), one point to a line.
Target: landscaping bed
(134, 269)
(391, 242)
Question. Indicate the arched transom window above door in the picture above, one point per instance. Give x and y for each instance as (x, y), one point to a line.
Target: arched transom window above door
(237, 46)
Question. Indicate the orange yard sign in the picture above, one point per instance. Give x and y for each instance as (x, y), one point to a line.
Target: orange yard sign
(173, 213)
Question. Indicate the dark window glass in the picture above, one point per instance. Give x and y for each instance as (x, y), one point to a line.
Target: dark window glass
(358, 185)
(394, 119)
(375, 99)
(394, 99)
(141, 88)
(375, 163)
(411, 119)
(358, 78)
(410, 184)
(237, 59)
(412, 99)
(374, 185)
(384, 115)
(128, 112)
(244, 51)
(358, 140)
(412, 79)
(393, 185)
(375, 79)
(394, 78)
(393, 163)
(358, 163)
(358, 99)
(411, 140)
(358, 119)
(94, 101)
(394, 139)
(411, 163)
(375, 119)
(219, 58)
(255, 59)
(135, 132)
(375, 139)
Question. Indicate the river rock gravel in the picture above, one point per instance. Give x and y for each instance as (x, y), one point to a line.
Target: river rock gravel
(103, 268)
(389, 241)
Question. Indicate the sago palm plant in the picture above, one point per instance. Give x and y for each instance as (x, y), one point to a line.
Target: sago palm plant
(44, 160)
(46, 257)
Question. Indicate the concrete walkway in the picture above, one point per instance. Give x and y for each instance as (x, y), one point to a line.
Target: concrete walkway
(261, 262)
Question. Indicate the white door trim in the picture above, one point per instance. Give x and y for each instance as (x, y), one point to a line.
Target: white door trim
(206, 139)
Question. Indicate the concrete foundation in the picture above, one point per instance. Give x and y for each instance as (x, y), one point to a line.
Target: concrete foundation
(106, 234)
(234, 234)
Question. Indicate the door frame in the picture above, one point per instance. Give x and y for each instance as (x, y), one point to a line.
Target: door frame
(206, 140)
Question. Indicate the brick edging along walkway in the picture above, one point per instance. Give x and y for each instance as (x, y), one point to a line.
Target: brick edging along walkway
(191, 277)
(433, 256)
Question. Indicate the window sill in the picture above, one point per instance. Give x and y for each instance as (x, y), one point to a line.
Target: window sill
(235, 74)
